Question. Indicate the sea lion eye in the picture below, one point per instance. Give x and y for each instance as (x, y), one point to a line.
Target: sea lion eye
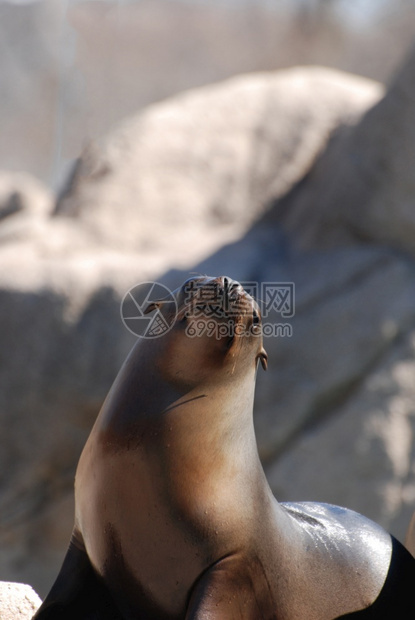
(255, 318)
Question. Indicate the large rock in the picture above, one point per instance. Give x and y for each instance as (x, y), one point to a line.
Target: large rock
(210, 160)
(362, 454)
(363, 188)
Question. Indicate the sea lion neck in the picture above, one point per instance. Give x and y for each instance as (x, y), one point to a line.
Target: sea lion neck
(141, 403)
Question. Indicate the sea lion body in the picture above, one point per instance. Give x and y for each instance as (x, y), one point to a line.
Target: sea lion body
(174, 517)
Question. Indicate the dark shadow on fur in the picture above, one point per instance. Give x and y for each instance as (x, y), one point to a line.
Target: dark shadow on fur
(78, 593)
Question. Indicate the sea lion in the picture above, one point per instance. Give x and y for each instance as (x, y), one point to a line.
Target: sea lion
(174, 517)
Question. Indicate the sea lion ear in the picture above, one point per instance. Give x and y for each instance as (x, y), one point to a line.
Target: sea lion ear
(263, 356)
(156, 305)
(153, 305)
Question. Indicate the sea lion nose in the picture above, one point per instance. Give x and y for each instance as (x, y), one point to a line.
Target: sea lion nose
(225, 281)
(229, 284)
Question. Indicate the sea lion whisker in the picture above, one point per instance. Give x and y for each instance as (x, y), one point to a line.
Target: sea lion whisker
(184, 402)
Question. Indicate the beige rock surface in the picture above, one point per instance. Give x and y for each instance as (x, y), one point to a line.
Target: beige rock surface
(211, 159)
(362, 455)
(363, 187)
(17, 601)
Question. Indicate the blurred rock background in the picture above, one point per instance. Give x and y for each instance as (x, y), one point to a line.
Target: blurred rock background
(268, 169)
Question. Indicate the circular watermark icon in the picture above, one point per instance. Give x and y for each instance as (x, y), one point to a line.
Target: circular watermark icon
(143, 308)
(141, 314)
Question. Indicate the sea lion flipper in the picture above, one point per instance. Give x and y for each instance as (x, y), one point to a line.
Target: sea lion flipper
(77, 591)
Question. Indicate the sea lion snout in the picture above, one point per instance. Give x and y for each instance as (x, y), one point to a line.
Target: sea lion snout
(229, 287)
(219, 291)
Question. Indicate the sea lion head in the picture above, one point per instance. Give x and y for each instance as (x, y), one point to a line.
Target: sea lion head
(216, 332)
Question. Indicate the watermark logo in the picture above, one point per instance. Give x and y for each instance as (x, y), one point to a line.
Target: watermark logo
(135, 307)
(143, 317)
(278, 297)
(214, 300)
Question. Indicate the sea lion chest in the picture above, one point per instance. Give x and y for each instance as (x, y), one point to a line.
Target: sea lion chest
(157, 507)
